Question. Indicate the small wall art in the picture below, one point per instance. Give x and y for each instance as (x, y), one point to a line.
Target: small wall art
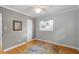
(46, 25)
(17, 25)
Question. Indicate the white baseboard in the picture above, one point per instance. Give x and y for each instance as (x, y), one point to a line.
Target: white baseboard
(58, 44)
(8, 49)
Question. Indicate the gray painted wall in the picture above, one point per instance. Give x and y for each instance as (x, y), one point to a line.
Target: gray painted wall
(65, 29)
(0, 31)
(78, 28)
(10, 37)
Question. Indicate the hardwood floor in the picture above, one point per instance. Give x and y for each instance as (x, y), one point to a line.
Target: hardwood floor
(2, 52)
(59, 49)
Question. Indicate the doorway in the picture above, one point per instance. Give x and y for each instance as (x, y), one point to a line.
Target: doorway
(29, 29)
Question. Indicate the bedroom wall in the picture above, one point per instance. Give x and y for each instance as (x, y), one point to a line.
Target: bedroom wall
(64, 28)
(78, 28)
(0, 31)
(10, 37)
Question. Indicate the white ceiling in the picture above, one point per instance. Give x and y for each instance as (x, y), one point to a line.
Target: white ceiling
(49, 9)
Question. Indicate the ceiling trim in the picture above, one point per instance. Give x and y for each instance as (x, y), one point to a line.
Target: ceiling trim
(16, 11)
(57, 12)
(67, 10)
(60, 12)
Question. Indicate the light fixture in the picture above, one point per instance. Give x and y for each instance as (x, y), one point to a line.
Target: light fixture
(38, 10)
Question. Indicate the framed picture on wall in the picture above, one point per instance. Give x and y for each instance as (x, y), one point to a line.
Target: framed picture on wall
(17, 25)
(46, 25)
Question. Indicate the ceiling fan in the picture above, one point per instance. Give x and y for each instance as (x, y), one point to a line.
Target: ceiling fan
(39, 8)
